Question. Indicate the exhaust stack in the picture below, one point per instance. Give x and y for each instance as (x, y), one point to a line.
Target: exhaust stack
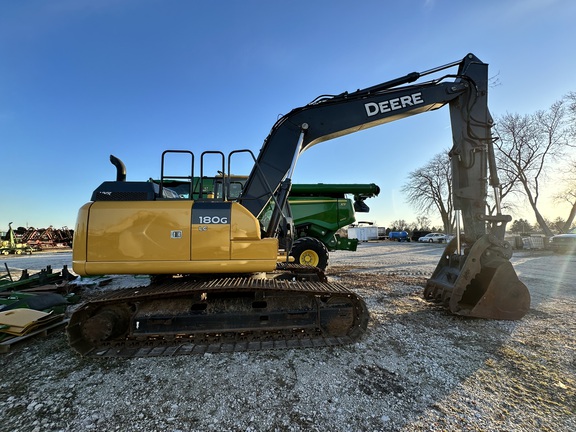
(120, 168)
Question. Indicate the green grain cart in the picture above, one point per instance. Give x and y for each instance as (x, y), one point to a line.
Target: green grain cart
(318, 212)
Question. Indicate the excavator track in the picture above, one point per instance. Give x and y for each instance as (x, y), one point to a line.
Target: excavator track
(219, 315)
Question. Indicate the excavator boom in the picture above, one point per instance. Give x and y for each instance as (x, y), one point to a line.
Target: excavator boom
(331, 117)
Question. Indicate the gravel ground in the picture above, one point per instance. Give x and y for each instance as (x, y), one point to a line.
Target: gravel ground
(417, 367)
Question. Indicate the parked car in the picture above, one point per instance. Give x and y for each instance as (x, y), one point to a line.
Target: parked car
(416, 234)
(564, 243)
(434, 238)
(398, 236)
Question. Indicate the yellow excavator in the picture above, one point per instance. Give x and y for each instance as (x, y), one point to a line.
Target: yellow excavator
(220, 282)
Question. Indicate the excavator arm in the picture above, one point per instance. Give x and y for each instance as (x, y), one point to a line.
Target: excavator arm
(474, 277)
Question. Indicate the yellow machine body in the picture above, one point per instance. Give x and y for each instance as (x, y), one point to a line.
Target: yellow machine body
(170, 237)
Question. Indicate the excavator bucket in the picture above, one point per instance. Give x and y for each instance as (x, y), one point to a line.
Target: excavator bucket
(480, 283)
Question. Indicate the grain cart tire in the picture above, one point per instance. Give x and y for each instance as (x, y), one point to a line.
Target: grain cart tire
(310, 251)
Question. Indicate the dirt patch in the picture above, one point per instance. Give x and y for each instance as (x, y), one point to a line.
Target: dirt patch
(417, 368)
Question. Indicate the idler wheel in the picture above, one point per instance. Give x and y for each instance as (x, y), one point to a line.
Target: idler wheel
(337, 316)
(107, 323)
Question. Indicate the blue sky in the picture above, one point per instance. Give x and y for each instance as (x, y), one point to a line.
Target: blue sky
(83, 79)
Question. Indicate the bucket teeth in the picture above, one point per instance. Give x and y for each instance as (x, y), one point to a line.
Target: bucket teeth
(495, 293)
(482, 284)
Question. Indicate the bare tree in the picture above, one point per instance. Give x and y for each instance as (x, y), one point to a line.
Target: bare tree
(423, 222)
(568, 193)
(399, 224)
(570, 100)
(429, 189)
(526, 145)
(521, 226)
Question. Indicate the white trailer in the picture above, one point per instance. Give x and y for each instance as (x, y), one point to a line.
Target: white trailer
(363, 233)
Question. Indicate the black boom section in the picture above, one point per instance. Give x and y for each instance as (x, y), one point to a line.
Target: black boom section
(330, 117)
